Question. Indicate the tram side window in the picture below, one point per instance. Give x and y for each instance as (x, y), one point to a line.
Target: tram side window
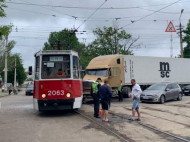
(55, 66)
(37, 69)
(75, 67)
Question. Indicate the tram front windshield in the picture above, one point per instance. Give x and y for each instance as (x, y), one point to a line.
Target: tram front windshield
(55, 66)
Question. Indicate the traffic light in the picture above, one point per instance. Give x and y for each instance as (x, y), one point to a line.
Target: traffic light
(30, 70)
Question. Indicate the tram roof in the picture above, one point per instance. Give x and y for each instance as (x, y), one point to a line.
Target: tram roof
(53, 52)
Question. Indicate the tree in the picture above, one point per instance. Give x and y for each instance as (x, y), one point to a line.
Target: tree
(2, 6)
(112, 41)
(66, 40)
(4, 33)
(20, 75)
(186, 39)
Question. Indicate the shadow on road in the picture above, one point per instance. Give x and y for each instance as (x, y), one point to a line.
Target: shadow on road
(62, 113)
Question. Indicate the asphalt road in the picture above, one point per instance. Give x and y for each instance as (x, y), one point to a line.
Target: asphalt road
(19, 123)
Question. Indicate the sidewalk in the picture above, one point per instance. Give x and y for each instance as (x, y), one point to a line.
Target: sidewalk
(3, 94)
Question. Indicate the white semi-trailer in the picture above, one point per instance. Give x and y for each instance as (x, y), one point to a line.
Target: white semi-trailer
(145, 70)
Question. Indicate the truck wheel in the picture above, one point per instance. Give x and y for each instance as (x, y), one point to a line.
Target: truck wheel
(162, 99)
(179, 97)
(84, 100)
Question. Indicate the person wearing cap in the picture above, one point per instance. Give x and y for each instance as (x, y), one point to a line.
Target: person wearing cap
(96, 97)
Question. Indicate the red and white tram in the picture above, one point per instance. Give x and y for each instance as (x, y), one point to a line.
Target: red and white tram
(57, 82)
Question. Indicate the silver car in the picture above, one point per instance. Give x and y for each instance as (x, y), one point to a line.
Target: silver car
(162, 92)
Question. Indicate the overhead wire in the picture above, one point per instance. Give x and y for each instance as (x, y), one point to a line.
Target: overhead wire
(150, 14)
(83, 7)
(88, 18)
(91, 14)
(29, 3)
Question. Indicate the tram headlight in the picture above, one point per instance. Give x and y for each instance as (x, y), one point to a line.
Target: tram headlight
(43, 96)
(68, 95)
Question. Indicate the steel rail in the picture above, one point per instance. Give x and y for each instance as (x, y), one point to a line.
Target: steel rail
(152, 128)
(109, 130)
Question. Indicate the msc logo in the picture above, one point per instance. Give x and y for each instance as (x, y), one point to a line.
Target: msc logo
(164, 69)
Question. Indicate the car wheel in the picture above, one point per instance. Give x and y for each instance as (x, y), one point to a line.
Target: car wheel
(162, 99)
(179, 97)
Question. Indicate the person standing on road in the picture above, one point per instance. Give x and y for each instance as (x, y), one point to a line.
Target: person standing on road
(135, 95)
(105, 95)
(119, 92)
(10, 88)
(96, 97)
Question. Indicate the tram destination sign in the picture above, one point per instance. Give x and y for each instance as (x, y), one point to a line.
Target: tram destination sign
(56, 58)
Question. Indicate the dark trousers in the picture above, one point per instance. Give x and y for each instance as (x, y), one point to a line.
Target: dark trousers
(96, 105)
(10, 92)
(120, 96)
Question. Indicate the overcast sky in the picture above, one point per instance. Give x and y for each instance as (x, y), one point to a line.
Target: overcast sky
(34, 20)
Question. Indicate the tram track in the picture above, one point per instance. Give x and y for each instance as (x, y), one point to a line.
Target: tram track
(155, 129)
(107, 128)
(163, 134)
(186, 125)
(154, 109)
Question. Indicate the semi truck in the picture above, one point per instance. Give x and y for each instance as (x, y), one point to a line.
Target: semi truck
(145, 70)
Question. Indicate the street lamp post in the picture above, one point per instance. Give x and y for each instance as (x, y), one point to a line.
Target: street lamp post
(180, 34)
(5, 70)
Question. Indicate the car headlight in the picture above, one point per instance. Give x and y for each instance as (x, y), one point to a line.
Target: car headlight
(156, 96)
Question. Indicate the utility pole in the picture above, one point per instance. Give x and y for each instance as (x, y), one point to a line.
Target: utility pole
(180, 34)
(171, 48)
(15, 75)
(115, 37)
(116, 47)
(5, 70)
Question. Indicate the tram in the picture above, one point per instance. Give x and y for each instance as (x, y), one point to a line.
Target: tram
(57, 81)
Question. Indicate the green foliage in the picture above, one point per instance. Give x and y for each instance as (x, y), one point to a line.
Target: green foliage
(66, 40)
(186, 39)
(108, 41)
(20, 75)
(5, 31)
(112, 41)
(2, 6)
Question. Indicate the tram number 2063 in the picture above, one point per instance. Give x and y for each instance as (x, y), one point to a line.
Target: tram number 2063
(55, 92)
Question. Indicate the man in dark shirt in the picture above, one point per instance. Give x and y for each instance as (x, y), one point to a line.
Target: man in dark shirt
(105, 95)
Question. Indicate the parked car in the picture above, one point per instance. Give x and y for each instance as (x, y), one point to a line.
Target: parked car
(30, 89)
(162, 92)
(186, 90)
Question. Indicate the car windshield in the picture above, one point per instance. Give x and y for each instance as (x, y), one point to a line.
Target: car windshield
(98, 72)
(31, 86)
(157, 87)
(188, 86)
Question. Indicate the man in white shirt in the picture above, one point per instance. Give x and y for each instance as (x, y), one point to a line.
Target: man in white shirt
(135, 95)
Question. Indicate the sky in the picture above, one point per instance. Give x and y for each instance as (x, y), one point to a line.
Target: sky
(147, 19)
